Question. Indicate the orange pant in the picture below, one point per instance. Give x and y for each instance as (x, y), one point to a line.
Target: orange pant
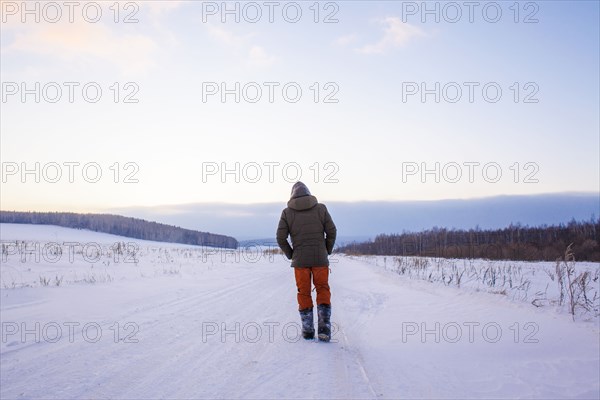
(320, 277)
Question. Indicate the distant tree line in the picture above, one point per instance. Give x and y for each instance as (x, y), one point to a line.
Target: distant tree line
(119, 225)
(516, 242)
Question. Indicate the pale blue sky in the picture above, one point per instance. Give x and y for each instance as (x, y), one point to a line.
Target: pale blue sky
(368, 134)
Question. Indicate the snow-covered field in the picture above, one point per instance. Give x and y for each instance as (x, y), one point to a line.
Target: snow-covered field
(99, 319)
(559, 285)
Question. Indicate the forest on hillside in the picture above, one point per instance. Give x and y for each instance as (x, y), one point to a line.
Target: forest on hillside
(516, 242)
(119, 225)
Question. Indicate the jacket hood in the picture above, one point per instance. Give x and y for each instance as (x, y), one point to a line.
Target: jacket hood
(302, 203)
(299, 189)
(301, 199)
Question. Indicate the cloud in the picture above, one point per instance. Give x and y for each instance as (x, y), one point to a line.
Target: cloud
(346, 39)
(226, 36)
(396, 34)
(255, 55)
(130, 53)
(161, 7)
(369, 218)
(258, 57)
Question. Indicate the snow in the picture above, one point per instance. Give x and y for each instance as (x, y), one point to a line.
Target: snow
(192, 322)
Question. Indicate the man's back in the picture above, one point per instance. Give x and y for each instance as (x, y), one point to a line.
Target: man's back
(311, 229)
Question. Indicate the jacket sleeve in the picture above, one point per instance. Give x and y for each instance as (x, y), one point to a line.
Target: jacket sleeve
(330, 232)
(283, 231)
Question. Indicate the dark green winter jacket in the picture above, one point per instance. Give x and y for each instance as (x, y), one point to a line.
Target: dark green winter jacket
(310, 227)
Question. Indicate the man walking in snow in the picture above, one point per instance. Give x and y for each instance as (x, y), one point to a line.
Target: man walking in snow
(313, 233)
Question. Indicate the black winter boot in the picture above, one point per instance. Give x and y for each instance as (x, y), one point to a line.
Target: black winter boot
(324, 313)
(308, 324)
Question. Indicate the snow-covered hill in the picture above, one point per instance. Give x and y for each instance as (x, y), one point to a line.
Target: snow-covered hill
(176, 321)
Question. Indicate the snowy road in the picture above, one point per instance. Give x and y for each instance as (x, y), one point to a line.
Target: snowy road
(230, 331)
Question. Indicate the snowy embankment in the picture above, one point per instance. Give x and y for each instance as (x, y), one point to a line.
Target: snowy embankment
(572, 287)
(178, 321)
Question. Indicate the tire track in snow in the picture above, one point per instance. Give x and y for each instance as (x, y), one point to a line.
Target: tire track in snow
(184, 356)
(359, 363)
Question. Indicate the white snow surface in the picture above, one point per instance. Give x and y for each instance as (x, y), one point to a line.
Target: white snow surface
(186, 322)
